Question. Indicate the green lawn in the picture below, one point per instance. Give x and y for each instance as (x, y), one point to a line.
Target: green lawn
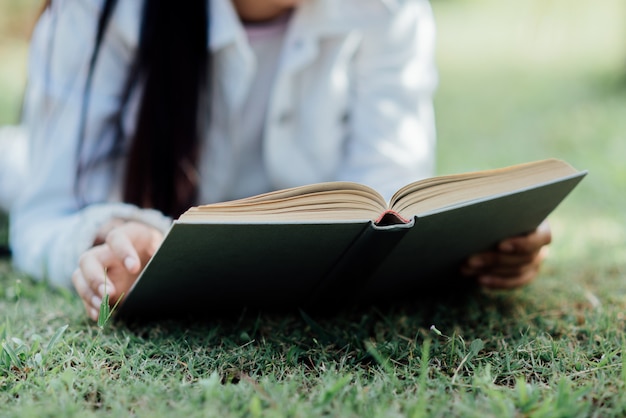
(519, 81)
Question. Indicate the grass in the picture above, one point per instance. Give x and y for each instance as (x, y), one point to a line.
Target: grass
(518, 82)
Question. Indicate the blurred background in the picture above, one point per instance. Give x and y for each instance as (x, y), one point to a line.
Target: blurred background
(519, 80)
(532, 79)
(17, 18)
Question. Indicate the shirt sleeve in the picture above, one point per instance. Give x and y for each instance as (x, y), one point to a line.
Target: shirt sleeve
(392, 124)
(49, 228)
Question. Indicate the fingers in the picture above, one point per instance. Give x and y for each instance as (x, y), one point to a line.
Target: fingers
(112, 267)
(88, 297)
(509, 282)
(513, 276)
(515, 263)
(134, 243)
(498, 263)
(529, 243)
(101, 273)
(89, 279)
(120, 242)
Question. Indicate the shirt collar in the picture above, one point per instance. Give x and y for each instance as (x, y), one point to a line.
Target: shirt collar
(323, 16)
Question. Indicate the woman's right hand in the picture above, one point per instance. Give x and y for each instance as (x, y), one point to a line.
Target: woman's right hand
(117, 261)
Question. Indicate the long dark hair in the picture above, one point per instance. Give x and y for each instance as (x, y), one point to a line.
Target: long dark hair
(171, 65)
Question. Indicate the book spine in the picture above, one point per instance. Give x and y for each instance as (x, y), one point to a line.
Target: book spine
(359, 261)
(391, 217)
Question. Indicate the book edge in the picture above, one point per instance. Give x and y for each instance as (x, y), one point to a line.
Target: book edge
(580, 174)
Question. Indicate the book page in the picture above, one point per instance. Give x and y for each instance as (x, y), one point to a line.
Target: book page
(341, 201)
(321, 201)
(442, 191)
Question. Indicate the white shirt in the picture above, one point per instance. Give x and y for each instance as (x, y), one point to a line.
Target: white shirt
(351, 100)
(243, 167)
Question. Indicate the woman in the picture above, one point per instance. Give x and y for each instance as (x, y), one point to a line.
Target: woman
(216, 100)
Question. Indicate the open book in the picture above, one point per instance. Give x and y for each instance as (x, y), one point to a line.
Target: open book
(339, 242)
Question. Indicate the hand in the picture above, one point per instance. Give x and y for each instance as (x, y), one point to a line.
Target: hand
(126, 249)
(515, 263)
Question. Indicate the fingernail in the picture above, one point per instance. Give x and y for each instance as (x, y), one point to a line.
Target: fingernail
(96, 301)
(101, 290)
(507, 247)
(94, 314)
(129, 263)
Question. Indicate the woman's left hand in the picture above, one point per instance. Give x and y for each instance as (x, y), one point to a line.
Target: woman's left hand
(515, 263)
(112, 266)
